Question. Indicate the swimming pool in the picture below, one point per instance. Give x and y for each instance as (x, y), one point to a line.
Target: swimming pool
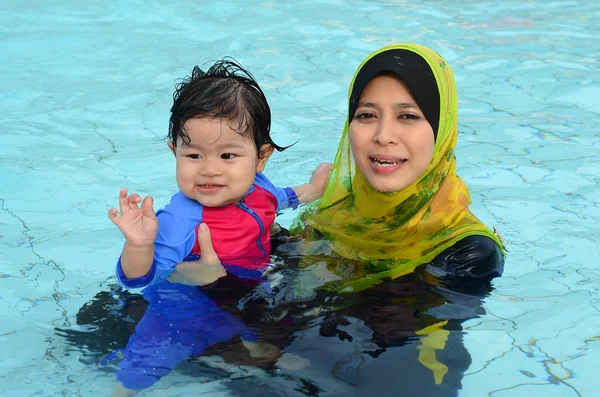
(85, 92)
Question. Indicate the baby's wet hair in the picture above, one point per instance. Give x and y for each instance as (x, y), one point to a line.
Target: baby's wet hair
(225, 91)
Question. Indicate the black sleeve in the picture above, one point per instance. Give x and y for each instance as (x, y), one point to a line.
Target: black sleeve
(472, 260)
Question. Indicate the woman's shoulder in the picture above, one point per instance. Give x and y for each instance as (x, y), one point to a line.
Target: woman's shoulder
(472, 259)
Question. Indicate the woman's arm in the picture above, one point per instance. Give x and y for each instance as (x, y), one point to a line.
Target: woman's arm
(472, 262)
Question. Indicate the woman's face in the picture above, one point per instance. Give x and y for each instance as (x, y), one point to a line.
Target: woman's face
(392, 141)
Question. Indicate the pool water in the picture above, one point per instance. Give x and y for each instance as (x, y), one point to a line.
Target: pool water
(85, 93)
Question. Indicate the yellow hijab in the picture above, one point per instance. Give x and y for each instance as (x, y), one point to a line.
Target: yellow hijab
(387, 235)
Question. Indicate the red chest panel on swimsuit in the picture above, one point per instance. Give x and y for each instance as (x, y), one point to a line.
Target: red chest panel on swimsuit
(236, 233)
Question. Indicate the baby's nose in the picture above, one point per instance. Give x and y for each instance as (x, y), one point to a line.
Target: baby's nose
(210, 168)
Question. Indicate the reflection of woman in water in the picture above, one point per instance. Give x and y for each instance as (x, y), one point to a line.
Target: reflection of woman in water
(400, 259)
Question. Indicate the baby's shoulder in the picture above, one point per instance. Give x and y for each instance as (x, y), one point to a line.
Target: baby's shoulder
(181, 209)
(180, 204)
(263, 182)
(178, 220)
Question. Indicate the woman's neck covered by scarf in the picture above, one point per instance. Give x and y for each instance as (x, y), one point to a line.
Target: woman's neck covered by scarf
(393, 233)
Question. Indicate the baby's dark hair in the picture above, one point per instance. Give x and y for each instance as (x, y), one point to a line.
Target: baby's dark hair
(225, 90)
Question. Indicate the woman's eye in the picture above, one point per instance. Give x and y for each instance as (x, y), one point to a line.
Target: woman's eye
(409, 116)
(227, 156)
(364, 116)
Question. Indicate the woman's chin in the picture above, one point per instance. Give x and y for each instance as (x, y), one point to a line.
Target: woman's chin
(389, 183)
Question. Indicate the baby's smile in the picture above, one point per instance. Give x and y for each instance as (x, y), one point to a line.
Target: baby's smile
(207, 188)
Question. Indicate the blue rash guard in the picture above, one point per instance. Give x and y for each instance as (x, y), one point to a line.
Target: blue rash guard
(240, 232)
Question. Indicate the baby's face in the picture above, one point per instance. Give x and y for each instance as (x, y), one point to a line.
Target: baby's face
(218, 166)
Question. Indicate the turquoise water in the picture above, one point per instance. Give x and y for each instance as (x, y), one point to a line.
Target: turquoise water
(85, 92)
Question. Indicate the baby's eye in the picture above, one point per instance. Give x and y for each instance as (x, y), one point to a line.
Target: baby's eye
(227, 156)
(193, 156)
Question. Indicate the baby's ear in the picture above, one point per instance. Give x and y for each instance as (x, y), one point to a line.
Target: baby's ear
(264, 153)
(172, 147)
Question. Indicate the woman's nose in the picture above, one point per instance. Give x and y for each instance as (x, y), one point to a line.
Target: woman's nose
(386, 132)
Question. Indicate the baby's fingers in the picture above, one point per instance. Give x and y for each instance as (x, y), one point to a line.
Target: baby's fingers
(147, 207)
(123, 203)
(133, 200)
(113, 214)
(321, 174)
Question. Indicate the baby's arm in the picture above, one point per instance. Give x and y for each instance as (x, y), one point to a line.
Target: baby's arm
(291, 197)
(139, 226)
(316, 186)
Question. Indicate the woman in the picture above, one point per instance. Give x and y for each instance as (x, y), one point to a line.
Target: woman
(393, 233)
(394, 201)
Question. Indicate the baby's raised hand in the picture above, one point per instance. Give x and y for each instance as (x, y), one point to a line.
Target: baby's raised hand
(138, 224)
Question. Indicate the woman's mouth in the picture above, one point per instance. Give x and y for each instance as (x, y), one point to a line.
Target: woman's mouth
(207, 188)
(386, 164)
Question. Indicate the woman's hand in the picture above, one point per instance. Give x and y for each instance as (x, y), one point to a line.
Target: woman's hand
(204, 271)
(138, 224)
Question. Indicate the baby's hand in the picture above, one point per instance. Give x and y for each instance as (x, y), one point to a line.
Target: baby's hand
(138, 224)
(316, 186)
(320, 176)
(204, 271)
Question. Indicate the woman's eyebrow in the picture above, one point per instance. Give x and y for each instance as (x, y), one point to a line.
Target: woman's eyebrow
(407, 105)
(366, 105)
(403, 105)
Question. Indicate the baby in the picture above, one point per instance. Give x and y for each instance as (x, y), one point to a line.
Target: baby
(219, 134)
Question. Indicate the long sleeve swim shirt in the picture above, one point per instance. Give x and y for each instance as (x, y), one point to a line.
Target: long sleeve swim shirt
(240, 232)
